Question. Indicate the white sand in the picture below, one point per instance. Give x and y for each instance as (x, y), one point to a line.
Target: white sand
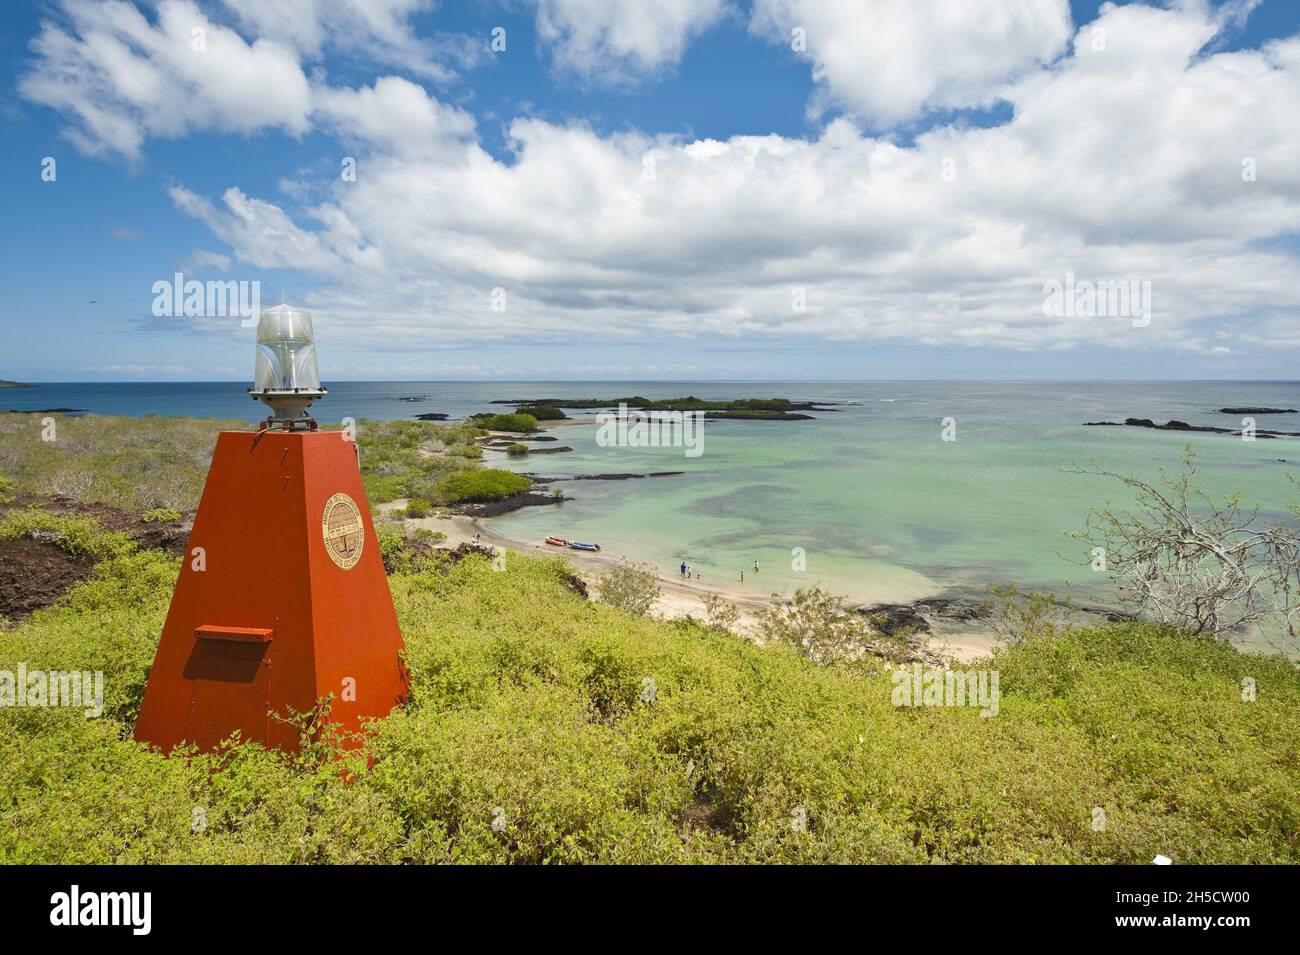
(679, 597)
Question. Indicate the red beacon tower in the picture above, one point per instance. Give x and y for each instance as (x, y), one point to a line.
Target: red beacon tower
(282, 598)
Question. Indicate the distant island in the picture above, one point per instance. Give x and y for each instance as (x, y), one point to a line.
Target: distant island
(754, 409)
(14, 384)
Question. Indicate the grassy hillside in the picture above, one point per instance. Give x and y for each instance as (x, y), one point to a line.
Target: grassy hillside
(139, 464)
(528, 706)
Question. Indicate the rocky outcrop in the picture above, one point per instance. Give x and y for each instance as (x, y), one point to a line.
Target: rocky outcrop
(512, 503)
(1258, 411)
(893, 618)
(1176, 425)
(618, 476)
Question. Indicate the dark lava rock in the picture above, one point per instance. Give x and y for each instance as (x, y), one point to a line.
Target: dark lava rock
(956, 608)
(1258, 411)
(35, 571)
(46, 411)
(34, 574)
(615, 476)
(890, 619)
(1176, 425)
(431, 416)
(576, 584)
(762, 415)
(512, 503)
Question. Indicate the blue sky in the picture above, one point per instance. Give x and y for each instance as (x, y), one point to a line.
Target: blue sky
(782, 170)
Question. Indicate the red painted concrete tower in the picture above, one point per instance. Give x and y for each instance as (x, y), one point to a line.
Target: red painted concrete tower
(282, 599)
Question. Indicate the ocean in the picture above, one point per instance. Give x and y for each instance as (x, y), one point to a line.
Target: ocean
(866, 500)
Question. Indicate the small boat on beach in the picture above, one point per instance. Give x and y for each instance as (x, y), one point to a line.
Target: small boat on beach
(579, 545)
(557, 541)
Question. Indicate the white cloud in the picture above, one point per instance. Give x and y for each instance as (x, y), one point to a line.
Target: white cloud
(123, 79)
(888, 60)
(380, 29)
(618, 41)
(395, 116)
(202, 261)
(1122, 164)
(263, 236)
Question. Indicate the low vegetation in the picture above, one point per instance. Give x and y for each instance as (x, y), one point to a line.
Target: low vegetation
(816, 625)
(80, 537)
(132, 463)
(409, 459)
(517, 422)
(530, 707)
(542, 412)
(632, 588)
(488, 484)
(547, 728)
(156, 466)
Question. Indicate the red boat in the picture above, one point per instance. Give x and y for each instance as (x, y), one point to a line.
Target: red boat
(557, 541)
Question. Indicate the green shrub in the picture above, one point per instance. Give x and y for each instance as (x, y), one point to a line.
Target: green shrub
(632, 588)
(506, 422)
(392, 543)
(160, 515)
(591, 736)
(132, 463)
(6, 490)
(489, 484)
(517, 450)
(418, 507)
(81, 537)
(542, 412)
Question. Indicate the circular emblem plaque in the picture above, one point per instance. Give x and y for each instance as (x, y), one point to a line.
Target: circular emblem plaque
(345, 535)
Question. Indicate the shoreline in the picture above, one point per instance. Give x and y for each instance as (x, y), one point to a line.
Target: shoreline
(961, 641)
(951, 629)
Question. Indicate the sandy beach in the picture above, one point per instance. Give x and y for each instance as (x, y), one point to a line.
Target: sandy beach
(959, 641)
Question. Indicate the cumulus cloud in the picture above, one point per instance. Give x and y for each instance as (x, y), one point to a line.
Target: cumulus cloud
(123, 79)
(395, 116)
(379, 29)
(888, 60)
(1120, 162)
(618, 41)
(263, 235)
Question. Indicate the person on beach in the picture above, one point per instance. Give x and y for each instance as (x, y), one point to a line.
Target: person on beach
(681, 571)
(755, 566)
(742, 576)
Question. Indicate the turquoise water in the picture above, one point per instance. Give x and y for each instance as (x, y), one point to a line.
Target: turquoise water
(882, 508)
